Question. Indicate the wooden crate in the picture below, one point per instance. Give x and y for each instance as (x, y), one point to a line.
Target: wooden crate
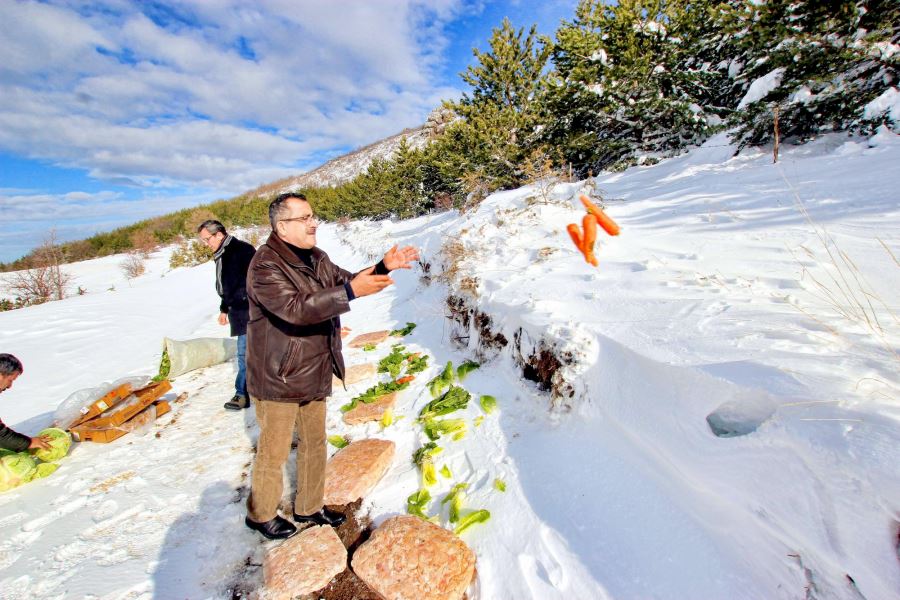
(103, 435)
(96, 408)
(140, 400)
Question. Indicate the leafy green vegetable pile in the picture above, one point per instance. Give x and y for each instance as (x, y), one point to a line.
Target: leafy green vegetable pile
(17, 468)
(373, 393)
(394, 362)
(456, 398)
(404, 331)
(165, 365)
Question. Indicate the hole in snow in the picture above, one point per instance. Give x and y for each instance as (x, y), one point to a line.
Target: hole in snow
(740, 416)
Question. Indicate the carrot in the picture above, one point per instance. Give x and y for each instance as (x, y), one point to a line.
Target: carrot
(575, 233)
(608, 225)
(590, 238)
(406, 379)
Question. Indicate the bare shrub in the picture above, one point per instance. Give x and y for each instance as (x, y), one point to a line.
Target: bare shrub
(540, 172)
(477, 189)
(144, 242)
(254, 237)
(133, 265)
(44, 279)
(453, 252)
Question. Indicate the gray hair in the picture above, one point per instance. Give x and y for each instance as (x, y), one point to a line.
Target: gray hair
(278, 210)
(212, 226)
(9, 364)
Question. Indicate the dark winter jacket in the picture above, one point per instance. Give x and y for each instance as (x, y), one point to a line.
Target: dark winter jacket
(232, 261)
(293, 337)
(11, 440)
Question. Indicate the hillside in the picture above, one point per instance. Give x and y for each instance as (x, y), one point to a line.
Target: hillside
(345, 167)
(710, 413)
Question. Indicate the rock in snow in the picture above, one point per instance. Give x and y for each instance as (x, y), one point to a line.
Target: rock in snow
(355, 470)
(408, 558)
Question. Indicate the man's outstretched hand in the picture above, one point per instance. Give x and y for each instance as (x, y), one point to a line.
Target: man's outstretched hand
(365, 284)
(400, 258)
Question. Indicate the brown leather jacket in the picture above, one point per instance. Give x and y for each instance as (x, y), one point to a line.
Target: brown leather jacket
(293, 336)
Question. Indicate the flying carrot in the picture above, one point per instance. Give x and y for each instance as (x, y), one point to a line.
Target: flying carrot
(575, 233)
(406, 379)
(608, 225)
(590, 238)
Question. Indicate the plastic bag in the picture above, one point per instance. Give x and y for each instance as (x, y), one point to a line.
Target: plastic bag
(142, 423)
(188, 355)
(71, 408)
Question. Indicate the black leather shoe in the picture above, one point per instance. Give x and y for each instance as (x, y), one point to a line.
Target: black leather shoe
(278, 528)
(323, 517)
(237, 403)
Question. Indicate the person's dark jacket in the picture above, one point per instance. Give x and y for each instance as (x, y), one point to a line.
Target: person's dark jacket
(232, 261)
(12, 440)
(293, 336)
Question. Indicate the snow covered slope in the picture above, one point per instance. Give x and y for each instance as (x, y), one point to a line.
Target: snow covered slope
(752, 300)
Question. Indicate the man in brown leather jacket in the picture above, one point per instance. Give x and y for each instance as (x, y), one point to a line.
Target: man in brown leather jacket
(296, 295)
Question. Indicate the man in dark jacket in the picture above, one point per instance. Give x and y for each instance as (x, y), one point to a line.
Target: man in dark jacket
(296, 296)
(232, 258)
(10, 368)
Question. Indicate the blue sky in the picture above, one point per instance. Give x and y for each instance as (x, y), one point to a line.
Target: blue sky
(119, 110)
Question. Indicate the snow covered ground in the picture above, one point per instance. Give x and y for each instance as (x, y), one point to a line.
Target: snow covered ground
(761, 298)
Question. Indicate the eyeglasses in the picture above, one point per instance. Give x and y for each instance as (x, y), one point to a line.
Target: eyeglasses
(305, 220)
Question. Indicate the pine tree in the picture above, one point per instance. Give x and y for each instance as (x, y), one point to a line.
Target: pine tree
(637, 77)
(499, 117)
(827, 59)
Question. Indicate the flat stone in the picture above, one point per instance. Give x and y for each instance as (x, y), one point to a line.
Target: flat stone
(408, 558)
(373, 411)
(356, 469)
(356, 373)
(374, 337)
(303, 564)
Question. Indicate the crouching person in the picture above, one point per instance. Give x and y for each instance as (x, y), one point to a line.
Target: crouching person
(10, 369)
(296, 295)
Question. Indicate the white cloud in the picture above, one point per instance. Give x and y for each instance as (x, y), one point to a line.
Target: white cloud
(109, 89)
(75, 215)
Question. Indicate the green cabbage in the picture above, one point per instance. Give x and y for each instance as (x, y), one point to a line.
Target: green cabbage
(455, 498)
(479, 516)
(435, 429)
(338, 441)
(60, 442)
(423, 458)
(16, 469)
(416, 503)
(440, 383)
(465, 368)
(45, 469)
(488, 404)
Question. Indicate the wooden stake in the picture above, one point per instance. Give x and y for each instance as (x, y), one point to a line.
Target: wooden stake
(777, 135)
